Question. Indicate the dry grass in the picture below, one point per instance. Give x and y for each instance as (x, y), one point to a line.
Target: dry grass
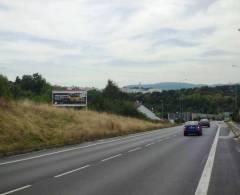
(235, 130)
(27, 126)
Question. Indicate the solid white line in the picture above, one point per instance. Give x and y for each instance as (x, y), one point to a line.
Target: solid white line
(66, 150)
(15, 190)
(111, 157)
(135, 149)
(166, 138)
(71, 149)
(52, 153)
(149, 144)
(203, 184)
(77, 148)
(159, 140)
(74, 170)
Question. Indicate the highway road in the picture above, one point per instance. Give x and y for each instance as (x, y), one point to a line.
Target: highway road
(152, 163)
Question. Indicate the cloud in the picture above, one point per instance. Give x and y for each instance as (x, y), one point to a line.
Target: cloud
(107, 39)
(194, 7)
(21, 36)
(218, 52)
(3, 68)
(3, 7)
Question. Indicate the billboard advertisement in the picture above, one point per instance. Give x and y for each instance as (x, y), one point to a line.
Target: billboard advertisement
(69, 98)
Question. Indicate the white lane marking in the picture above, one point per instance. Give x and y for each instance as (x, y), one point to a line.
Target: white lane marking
(149, 144)
(52, 153)
(111, 157)
(15, 190)
(66, 150)
(159, 140)
(165, 138)
(76, 148)
(135, 149)
(203, 184)
(74, 170)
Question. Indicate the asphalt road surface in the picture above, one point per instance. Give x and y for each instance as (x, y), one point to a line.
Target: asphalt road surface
(153, 163)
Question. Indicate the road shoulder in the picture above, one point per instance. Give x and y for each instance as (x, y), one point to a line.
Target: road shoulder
(225, 177)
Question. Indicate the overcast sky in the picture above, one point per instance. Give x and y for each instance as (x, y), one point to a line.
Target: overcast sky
(86, 42)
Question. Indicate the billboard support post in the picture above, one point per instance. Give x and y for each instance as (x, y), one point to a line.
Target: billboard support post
(86, 102)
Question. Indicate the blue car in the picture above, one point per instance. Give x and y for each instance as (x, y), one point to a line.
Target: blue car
(192, 128)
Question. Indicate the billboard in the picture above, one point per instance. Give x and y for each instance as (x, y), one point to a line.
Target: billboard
(75, 98)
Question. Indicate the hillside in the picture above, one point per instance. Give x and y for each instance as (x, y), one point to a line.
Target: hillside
(167, 85)
(25, 125)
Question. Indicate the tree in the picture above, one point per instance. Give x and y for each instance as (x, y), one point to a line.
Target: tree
(33, 87)
(112, 91)
(5, 90)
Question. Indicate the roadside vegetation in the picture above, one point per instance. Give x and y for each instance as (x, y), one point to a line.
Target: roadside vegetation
(37, 89)
(27, 126)
(212, 100)
(235, 129)
(29, 122)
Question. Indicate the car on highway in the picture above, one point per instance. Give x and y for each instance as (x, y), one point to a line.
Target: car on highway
(204, 123)
(192, 128)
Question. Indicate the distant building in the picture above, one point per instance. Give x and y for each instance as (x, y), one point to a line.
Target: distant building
(139, 90)
(227, 115)
(187, 116)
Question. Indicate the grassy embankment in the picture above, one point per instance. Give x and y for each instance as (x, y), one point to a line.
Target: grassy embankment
(235, 130)
(25, 126)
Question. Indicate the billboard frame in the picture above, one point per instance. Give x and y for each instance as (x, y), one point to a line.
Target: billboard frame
(70, 92)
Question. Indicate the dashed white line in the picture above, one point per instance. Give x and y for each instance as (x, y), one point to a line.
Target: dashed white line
(135, 149)
(15, 190)
(74, 170)
(52, 153)
(203, 184)
(77, 148)
(149, 144)
(111, 157)
(166, 138)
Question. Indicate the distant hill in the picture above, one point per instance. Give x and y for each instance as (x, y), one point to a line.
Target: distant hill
(167, 85)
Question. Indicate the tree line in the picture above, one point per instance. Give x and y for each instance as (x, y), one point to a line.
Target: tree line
(211, 100)
(36, 88)
(33, 87)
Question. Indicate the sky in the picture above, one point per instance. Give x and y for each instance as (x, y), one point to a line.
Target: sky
(86, 42)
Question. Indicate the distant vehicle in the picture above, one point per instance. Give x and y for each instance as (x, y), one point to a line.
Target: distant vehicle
(204, 123)
(192, 127)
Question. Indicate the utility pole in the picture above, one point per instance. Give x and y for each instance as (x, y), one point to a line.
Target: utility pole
(236, 96)
(162, 109)
(236, 88)
(180, 107)
(236, 109)
(180, 99)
